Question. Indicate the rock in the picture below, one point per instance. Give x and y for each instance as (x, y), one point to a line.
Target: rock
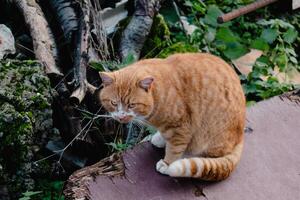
(7, 41)
(25, 116)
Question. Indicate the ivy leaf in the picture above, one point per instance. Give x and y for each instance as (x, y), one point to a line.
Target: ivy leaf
(213, 13)
(224, 34)
(290, 36)
(260, 44)
(281, 61)
(269, 35)
(235, 50)
(169, 14)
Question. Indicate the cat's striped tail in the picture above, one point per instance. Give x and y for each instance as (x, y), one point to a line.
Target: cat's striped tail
(210, 169)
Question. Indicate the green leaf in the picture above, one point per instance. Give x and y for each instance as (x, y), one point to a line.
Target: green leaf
(260, 44)
(97, 66)
(30, 193)
(128, 60)
(169, 14)
(224, 34)
(291, 51)
(213, 12)
(290, 36)
(275, 23)
(235, 50)
(281, 61)
(24, 198)
(269, 35)
(199, 8)
(293, 60)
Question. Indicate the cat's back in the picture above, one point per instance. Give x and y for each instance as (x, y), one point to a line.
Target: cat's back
(203, 71)
(203, 63)
(207, 79)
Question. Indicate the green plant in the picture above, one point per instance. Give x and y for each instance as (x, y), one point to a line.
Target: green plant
(50, 190)
(112, 65)
(118, 146)
(274, 35)
(27, 195)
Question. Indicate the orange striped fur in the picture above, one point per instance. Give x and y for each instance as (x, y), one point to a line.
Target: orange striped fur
(195, 101)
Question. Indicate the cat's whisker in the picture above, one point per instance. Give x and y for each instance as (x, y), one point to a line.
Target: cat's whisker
(143, 122)
(136, 123)
(102, 116)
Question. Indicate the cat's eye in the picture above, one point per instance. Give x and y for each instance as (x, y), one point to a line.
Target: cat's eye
(114, 103)
(132, 105)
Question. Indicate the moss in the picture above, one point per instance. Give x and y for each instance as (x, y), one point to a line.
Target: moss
(158, 38)
(25, 122)
(179, 47)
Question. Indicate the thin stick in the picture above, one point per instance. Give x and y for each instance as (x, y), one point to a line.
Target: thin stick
(244, 10)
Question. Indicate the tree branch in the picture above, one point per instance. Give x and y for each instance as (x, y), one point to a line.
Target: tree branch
(136, 32)
(43, 42)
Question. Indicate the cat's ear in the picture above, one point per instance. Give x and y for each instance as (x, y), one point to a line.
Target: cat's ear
(146, 83)
(106, 78)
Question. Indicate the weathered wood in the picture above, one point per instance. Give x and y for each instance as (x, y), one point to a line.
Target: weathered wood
(81, 57)
(136, 32)
(269, 168)
(43, 42)
(76, 187)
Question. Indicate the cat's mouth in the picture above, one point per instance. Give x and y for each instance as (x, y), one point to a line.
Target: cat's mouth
(124, 119)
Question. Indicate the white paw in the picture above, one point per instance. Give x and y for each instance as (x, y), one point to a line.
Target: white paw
(162, 167)
(158, 141)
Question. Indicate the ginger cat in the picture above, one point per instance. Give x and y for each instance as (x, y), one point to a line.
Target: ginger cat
(196, 102)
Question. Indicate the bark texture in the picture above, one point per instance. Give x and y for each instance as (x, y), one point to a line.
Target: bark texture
(43, 42)
(76, 187)
(136, 32)
(81, 61)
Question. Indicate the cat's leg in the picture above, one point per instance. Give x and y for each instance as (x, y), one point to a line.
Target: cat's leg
(158, 140)
(175, 148)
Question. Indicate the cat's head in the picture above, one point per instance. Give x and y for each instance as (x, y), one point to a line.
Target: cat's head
(127, 97)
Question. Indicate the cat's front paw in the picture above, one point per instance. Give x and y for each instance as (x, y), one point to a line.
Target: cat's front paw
(158, 141)
(162, 167)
